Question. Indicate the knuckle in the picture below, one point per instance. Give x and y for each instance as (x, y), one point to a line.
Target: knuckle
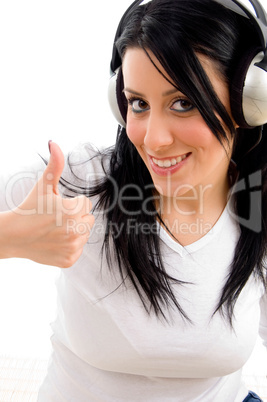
(89, 221)
(68, 261)
(72, 258)
(76, 228)
(73, 246)
(64, 265)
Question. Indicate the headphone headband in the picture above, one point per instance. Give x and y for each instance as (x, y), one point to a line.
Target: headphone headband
(248, 98)
(259, 19)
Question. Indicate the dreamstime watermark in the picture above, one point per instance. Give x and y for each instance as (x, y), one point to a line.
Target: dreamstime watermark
(132, 200)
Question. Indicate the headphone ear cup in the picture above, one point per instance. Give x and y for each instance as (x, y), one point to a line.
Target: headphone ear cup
(255, 93)
(117, 100)
(248, 92)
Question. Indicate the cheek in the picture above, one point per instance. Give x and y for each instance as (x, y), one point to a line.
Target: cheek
(135, 132)
(202, 139)
(195, 133)
(192, 132)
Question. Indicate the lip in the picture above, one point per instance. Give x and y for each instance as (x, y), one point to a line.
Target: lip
(166, 171)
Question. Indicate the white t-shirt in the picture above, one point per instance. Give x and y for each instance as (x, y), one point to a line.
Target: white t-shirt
(107, 348)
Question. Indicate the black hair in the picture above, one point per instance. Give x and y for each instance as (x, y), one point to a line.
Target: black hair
(176, 31)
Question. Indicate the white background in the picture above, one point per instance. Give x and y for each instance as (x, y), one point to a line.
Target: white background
(54, 74)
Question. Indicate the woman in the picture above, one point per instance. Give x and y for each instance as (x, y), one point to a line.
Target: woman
(165, 299)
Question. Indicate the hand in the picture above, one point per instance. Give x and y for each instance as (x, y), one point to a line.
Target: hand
(47, 228)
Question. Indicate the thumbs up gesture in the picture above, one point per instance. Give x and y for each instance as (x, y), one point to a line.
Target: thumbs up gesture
(44, 225)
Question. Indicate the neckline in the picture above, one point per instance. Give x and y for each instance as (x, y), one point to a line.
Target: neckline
(198, 244)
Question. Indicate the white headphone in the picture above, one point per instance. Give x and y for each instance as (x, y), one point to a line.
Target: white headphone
(248, 93)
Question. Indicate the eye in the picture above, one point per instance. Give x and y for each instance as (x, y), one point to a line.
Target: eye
(182, 105)
(138, 105)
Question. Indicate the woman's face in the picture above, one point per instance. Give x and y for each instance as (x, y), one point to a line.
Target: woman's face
(178, 148)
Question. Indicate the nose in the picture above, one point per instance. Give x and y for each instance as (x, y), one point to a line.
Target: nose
(158, 133)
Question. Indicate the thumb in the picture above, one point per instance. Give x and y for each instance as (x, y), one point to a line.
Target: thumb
(53, 171)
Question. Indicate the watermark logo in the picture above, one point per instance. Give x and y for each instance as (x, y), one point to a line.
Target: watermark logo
(133, 201)
(252, 186)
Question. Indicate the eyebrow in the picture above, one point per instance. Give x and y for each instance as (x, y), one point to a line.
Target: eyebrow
(166, 93)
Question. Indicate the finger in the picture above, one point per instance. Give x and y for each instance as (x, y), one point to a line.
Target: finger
(89, 220)
(79, 206)
(53, 171)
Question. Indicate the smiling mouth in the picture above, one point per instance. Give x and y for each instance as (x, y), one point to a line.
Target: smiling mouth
(167, 163)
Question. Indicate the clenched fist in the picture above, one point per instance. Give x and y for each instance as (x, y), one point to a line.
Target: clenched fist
(47, 228)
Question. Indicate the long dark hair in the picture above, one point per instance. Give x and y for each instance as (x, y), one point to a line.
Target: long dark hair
(175, 31)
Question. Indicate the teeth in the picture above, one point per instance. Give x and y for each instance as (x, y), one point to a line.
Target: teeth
(168, 162)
